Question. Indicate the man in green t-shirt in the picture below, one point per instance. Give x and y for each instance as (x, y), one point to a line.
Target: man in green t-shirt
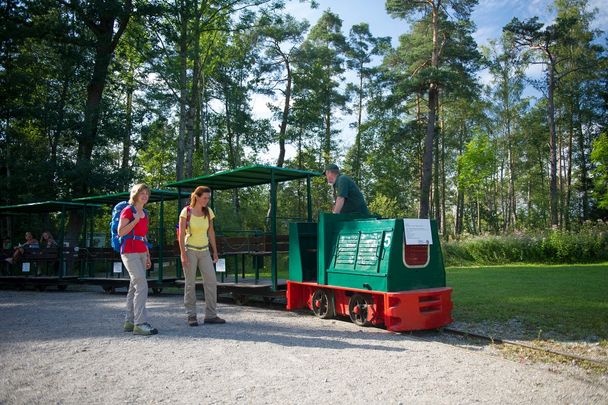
(348, 196)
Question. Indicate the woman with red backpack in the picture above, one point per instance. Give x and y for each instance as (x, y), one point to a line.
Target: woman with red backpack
(196, 236)
(135, 255)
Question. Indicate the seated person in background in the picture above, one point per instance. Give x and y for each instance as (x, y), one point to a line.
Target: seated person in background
(30, 242)
(47, 240)
(6, 247)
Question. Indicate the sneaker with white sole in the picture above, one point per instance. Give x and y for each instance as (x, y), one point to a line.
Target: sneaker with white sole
(144, 329)
(128, 326)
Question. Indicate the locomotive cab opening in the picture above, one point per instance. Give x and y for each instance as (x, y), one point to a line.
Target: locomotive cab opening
(303, 251)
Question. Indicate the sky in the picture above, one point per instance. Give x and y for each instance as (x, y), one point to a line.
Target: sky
(489, 17)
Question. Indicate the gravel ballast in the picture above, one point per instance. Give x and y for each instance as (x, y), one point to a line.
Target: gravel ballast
(68, 347)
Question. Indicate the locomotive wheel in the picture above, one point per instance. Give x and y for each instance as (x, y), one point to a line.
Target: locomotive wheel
(358, 310)
(240, 299)
(323, 304)
(109, 290)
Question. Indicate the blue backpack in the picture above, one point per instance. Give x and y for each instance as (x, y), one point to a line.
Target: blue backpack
(116, 240)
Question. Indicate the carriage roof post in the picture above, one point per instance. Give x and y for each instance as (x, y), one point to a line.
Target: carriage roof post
(178, 265)
(91, 225)
(61, 240)
(161, 239)
(273, 228)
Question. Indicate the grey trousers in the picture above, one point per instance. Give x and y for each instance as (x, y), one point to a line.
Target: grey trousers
(201, 260)
(138, 287)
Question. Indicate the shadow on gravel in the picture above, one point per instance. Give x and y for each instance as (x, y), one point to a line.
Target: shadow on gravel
(29, 316)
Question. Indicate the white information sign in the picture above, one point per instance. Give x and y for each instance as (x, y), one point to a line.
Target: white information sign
(220, 266)
(25, 267)
(418, 232)
(117, 267)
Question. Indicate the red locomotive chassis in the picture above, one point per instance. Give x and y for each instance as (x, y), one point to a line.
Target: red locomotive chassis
(397, 311)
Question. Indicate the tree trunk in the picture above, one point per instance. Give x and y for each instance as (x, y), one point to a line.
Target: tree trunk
(436, 196)
(427, 161)
(327, 139)
(552, 145)
(54, 141)
(191, 114)
(92, 112)
(357, 168)
(183, 93)
(460, 198)
(561, 175)
(478, 215)
(582, 166)
(504, 201)
(205, 129)
(444, 223)
(189, 140)
(569, 173)
(285, 116)
(126, 142)
(459, 212)
(104, 48)
(512, 177)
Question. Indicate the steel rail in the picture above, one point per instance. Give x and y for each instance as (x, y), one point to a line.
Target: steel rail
(524, 345)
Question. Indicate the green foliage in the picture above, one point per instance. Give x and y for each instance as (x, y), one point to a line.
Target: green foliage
(476, 164)
(384, 206)
(589, 244)
(156, 155)
(599, 155)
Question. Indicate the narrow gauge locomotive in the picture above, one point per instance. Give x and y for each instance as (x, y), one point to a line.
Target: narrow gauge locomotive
(362, 267)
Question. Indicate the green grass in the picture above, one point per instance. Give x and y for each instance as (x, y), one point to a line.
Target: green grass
(565, 301)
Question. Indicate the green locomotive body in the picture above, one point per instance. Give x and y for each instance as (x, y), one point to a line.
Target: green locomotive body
(365, 268)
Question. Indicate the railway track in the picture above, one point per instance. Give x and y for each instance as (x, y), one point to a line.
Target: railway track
(506, 342)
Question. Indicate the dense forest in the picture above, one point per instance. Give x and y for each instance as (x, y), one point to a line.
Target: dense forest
(100, 94)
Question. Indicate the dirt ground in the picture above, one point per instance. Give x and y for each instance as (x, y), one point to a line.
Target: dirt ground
(68, 347)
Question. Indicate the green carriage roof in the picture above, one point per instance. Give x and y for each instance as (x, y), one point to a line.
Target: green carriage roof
(244, 177)
(45, 206)
(155, 196)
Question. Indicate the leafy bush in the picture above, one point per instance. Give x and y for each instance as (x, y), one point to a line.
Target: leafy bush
(587, 245)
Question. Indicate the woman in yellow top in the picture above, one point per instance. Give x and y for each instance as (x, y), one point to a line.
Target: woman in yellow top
(196, 236)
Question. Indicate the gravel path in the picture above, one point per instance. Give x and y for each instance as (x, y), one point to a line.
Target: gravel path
(68, 347)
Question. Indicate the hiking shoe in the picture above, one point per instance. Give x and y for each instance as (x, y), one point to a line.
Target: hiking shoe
(192, 321)
(217, 319)
(144, 329)
(128, 326)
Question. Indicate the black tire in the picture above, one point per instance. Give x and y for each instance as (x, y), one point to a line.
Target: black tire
(358, 309)
(109, 290)
(323, 304)
(156, 290)
(62, 287)
(41, 288)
